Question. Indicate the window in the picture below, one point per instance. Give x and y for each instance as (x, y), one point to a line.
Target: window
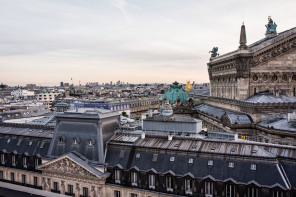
(1, 174)
(277, 193)
(151, 180)
(61, 139)
(188, 186)
(70, 189)
(2, 158)
(55, 186)
(117, 176)
(121, 154)
(252, 192)
(230, 190)
(74, 140)
(253, 166)
(23, 179)
(209, 189)
(13, 160)
(35, 181)
(172, 158)
(12, 176)
(169, 183)
(85, 191)
(25, 162)
(154, 158)
(138, 155)
(36, 162)
(134, 178)
(190, 160)
(116, 193)
(90, 142)
(210, 162)
(133, 195)
(231, 164)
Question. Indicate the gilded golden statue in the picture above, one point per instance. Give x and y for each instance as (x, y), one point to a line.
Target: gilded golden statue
(188, 86)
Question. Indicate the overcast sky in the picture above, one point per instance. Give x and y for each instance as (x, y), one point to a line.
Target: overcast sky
(135, 41)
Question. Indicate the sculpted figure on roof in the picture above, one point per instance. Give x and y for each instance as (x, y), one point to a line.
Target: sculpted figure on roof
(271, 26)
(214, 52)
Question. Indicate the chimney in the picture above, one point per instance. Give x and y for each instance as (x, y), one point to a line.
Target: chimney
(143, 135)
(150, 114)
(170, 137)
(243, 39)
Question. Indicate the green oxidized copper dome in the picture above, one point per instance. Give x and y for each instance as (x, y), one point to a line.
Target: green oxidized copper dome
(174, 92)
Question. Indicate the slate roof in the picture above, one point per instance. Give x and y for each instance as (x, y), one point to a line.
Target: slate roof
(26, 131)
(21, 146)
(266, 97)
(281, 124)
(171, 118)
(199, 92)
(266, 174)
(217, 112)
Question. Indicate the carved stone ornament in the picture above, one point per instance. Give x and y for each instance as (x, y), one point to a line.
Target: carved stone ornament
(67, 166)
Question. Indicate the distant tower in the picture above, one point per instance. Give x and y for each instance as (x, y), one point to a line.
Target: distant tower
(243, 39)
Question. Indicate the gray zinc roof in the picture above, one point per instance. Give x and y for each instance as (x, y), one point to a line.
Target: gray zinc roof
(267, 97)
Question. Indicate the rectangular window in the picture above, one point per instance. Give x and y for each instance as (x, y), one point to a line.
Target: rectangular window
(190, 160)
(172, 158)
(13, 160)
(252, 192)
(116, 193)
(230, 190)
(154, 158)
(209, 189)
(134, 178)
(253, 166)
(55, 186)
(117, 176)
(2, 158)
(25, 162)
(35, 181)
(231, 164)
(169, 183)
(210, 162)
(133, 195)
(36, 162)
(12, 176)
(23, 179)
(138, 155)
(85, 191)
(188, 186)
(1, 174)
(151, 178)
(277, 194)
(70, 189)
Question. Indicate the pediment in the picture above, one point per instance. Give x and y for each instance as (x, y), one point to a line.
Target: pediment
(66, 166)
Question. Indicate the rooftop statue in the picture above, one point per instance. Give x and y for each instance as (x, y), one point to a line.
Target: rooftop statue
(214, 52)
(271, 26)
(188, 86)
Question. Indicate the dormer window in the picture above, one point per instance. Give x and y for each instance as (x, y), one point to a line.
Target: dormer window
(188, 186)
(90, 142)
(138, 155)
(36, 161)
(151, 181)
(25, 162)
(117, 176)
(74, 140)
(2, 158)
(169, 183)
(13, 160)
(134, 178)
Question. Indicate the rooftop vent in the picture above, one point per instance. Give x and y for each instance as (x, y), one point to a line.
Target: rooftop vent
(170, 137)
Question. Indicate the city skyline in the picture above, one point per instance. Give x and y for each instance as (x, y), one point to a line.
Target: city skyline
(131, 41)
